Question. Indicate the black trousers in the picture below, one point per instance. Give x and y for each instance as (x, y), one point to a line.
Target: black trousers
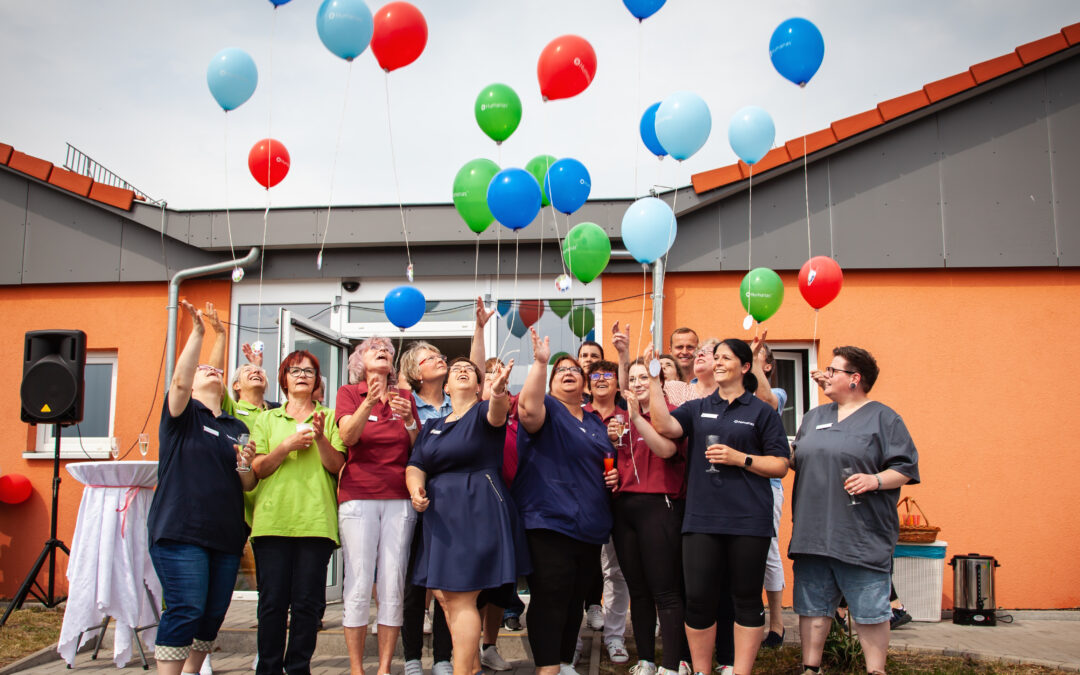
(563, 568)
(412, 629)
(709, 560)
(291, 574)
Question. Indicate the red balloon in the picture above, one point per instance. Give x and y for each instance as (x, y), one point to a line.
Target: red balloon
(530, 311)
(15, 488)
(268, 162)
(566, 67)
(820, 280)
(399, 36)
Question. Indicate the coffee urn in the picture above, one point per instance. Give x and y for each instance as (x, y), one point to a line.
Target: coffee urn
(973, 589)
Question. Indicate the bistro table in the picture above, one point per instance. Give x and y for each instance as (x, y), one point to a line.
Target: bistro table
(109, 571)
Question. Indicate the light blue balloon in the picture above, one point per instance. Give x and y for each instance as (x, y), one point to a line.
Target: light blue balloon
(515, 324)
(683, 124)
(643, 9)
(513, 196)
(567, 185)
(796, 49)
(345, 27)
(648, 229)
(232, 77)
(648, 131)
(404, 306)
(751, 133)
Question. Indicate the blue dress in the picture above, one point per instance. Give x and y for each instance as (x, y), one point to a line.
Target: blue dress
(472, 538)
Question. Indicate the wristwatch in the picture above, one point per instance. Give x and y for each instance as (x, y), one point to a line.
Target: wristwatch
(411, 427)
(748, 461)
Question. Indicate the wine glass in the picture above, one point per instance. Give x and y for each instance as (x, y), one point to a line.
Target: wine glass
(114, 447)
(393, 392)
(847, 472)
(710, 440)
(144, 444)
(241, 464)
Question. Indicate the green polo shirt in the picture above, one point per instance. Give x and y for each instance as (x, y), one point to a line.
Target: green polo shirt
(299, 499)
(246, 413)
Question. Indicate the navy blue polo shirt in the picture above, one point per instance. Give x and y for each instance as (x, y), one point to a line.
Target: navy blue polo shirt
(560, 478)
(733, 501)
(199, 499)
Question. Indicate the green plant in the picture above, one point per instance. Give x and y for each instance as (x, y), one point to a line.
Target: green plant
(842, 649)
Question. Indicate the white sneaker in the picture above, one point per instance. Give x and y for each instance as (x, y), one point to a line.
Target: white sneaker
(664, 671)
(442, 668)
(643, 668)
(685, 668)
(206, 669)
(594, 618)
(491, 658)
(567, 669)
(616, 650)
(725, 670)
(414, 667)
(427, 622)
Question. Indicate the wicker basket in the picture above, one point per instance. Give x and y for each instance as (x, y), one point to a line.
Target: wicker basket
(915, 534)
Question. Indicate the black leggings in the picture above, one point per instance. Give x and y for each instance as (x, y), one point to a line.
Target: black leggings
(648, 545)
(412, 628)
(709, 558)
(563, 568)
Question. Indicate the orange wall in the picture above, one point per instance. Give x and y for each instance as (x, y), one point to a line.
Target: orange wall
(130, 319)
(979, 364)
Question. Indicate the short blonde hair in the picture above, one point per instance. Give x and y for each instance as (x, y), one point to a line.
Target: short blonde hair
(410, 361)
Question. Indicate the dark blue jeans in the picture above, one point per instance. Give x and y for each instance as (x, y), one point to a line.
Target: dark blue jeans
(197, 586)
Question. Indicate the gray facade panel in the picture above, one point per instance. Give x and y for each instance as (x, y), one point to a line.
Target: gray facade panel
(884, 195)
(12, 227)
(67, 242)
(996, 179)
(1063, 108)
(200, 229)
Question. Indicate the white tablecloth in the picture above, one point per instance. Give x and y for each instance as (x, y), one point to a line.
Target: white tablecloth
(110, 569)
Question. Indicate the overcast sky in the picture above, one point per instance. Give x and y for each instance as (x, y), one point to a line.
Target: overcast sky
(125, 81)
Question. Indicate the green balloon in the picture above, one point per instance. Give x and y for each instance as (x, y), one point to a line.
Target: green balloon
(498, 111)
(586, 251)
(582, 320)
(761, 293)
(470, 193)
(556, 356)
(538, 167)
(560, 307)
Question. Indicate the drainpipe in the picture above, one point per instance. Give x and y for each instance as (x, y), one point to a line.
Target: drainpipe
(658, 306)
(174, 300)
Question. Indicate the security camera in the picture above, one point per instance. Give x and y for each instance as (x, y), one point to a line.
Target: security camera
(350, 286)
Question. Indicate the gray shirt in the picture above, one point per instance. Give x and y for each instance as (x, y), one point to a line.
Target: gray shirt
(869, 440)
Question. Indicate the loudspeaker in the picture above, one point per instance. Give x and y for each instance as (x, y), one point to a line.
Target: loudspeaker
(52, 389)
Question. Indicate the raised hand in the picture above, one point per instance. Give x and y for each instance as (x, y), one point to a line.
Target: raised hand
(502, 374)
(212, 318)
(196, 316)
(650, 353)
(253, 357)
(759, 340)
(633, 407)
(541, 348)
(318, 424)
(482, 313)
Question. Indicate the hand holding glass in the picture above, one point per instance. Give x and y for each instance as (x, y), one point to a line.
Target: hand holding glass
(710, 441)
(845, 473)
(393, 393)
(241, 464)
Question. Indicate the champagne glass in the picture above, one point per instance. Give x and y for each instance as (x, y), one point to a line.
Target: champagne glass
(144, 444)
(393, 392)
(114, 447)
(847, 472)
(710, 440)
(241, 464)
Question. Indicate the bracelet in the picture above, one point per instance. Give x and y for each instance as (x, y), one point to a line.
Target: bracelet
(412, 427)
(878, 476)
(500, 394)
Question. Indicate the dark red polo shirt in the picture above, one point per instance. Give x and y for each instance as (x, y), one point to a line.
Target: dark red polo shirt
(375, 465)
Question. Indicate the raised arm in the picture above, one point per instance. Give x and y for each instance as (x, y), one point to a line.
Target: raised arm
(499, 405)
(476, 350)
(764, 391)
(351, 426)
(662, 420)
(217, 350)
(531, 410)
(662, 447)
(622, 347)
(184, 374)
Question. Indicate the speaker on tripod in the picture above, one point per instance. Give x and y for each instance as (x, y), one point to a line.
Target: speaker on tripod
(53, 384)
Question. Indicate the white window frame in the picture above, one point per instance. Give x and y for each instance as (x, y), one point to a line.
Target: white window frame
(92, 447)
(783, 350)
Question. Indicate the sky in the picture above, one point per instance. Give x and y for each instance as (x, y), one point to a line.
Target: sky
(125, 82)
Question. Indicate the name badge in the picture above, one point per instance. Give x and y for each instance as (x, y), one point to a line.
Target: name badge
(373, 418)
(436, 432)
(824, 426)
(243, 412)
(711, 416)
(212, 432)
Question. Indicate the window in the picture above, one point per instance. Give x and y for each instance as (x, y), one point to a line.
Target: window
(793, 376)
(519, 347)
(88, 439)
(255, 325)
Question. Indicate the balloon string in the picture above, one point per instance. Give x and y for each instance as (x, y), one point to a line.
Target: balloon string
(333, 164)
(554, 213)
(674, 204)
(806, 179)
(750, 221)
(476, 266)
(514, 316)
(637, 148)
(262, 261)
(816, 311)
(498, 259)
(644, 289)
(228, 221)
(270, 77)
(393, 164)
(540, 258)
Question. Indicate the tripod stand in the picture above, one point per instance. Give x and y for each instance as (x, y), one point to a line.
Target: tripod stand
(30, 585)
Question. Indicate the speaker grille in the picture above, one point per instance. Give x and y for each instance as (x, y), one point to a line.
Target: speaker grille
(49, 388)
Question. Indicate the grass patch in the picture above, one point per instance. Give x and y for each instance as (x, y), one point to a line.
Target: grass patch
(28, 630)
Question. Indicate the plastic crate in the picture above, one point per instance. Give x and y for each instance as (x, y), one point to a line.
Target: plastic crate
(918, 573)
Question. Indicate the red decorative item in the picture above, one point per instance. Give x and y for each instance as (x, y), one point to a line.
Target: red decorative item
(820, 280)
(15, 488)
(530, 311)
(399, 36)
(566, 67)
(268, 162)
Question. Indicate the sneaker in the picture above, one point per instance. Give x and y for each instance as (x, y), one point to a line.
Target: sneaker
(616, 650)
(773, 639)
(594, 618)
(427, 622)
(206, 669)
(490, 658)
(899, 618)
(442, 668)
(685, 668)
(414, 667)
(664, 671)
(567, 669)
(577, 654)
(512, 623)
(643, 668)
(725, 670)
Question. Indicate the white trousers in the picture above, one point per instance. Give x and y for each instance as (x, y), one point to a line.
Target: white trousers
(616, 594)
(375, 534)
(774, 567)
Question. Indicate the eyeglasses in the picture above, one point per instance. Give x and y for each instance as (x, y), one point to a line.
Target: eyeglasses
(297, 371)
(601, 376)
(248, 369)
(568, 369)
(463, 368)
(210, 369)
(381, 348)
(830, 371)
(437, 357)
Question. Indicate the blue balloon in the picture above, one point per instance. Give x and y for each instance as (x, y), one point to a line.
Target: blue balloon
(591, 336)
(643, 9)
(345, 27)
(515, 324)
(278, 3)
(232, 77)
(648, 131)
(567, 185)
(648, 229)
(751, 133)
(796, 49)
(503, 308)
(404, 306)
(683, 124)
(513, 196)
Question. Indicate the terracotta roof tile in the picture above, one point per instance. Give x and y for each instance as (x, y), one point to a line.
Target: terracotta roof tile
(849, 126)
(814, 141)
(1033, 51)
(1072, 33)
(5, 153)
(708, 180)
(949, 86)
(988, 70)
(902, 105)
(113, 196)
(771, 160)
(32, 166)
(71, 181)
